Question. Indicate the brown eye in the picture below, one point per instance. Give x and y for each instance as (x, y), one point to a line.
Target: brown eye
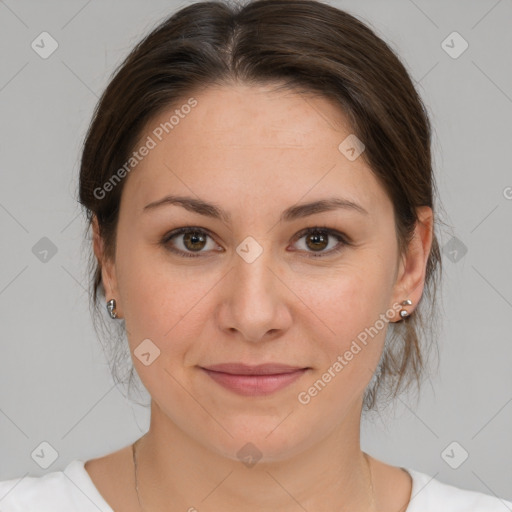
(318, 239)
(187, 241)
(194, 241)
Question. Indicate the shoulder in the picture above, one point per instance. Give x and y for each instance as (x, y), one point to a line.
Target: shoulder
(58, 491)
(431, 495)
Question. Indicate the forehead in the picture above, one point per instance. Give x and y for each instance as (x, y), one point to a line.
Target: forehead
(253, 143)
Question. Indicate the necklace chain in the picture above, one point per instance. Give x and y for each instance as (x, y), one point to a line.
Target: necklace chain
(136, 480)
(137, 484)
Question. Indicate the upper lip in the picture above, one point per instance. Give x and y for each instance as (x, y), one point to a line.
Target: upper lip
(260, 369)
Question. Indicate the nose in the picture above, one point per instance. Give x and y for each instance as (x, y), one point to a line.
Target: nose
(255, 300)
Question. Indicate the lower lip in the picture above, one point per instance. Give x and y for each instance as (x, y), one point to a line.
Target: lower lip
(254, 385)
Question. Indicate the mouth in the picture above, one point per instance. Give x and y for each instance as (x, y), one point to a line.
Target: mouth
(257, 380)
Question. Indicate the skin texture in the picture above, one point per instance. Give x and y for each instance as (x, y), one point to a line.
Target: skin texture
(255, 152)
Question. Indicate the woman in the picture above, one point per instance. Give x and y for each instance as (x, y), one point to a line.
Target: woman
(259, 187)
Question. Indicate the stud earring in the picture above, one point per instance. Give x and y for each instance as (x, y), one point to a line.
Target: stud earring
(111, 308)
(403, 312)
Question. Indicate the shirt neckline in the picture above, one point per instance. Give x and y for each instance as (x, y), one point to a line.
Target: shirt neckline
(76, 469)
(419, 482)
(79, 475)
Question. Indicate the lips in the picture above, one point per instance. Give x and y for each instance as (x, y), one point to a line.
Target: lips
(261, 369)
(256, 380)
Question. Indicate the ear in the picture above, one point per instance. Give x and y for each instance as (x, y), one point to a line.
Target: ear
(412, 269)
(108, 273)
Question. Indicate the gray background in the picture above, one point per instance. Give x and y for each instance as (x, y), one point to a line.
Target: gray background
(55, 385)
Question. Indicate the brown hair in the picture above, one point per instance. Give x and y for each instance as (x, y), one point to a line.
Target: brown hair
(302, 45)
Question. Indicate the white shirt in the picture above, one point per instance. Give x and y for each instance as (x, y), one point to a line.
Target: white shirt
(72, 490)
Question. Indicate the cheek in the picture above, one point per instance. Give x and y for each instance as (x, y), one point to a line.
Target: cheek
(351, 312)
(347, 309)
(161, 301)
(163, 304)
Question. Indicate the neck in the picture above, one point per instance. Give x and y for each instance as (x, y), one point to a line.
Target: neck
(173, 468)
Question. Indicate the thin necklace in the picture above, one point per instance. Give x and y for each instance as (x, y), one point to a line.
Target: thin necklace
(136, 481)
(134, 454)
(372, 492)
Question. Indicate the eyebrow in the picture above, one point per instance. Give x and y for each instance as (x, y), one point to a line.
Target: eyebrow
(293, 212)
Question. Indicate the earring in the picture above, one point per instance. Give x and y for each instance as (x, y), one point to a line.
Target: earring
(403, 312)
(111, 306)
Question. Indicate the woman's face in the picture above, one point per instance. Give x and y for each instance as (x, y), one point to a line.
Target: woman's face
(250, 286)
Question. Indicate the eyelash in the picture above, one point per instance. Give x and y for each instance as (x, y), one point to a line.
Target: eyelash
(323, 229)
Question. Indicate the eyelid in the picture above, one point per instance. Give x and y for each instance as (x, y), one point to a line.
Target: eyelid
(166, 239)
(343, 240)
(326, 229)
